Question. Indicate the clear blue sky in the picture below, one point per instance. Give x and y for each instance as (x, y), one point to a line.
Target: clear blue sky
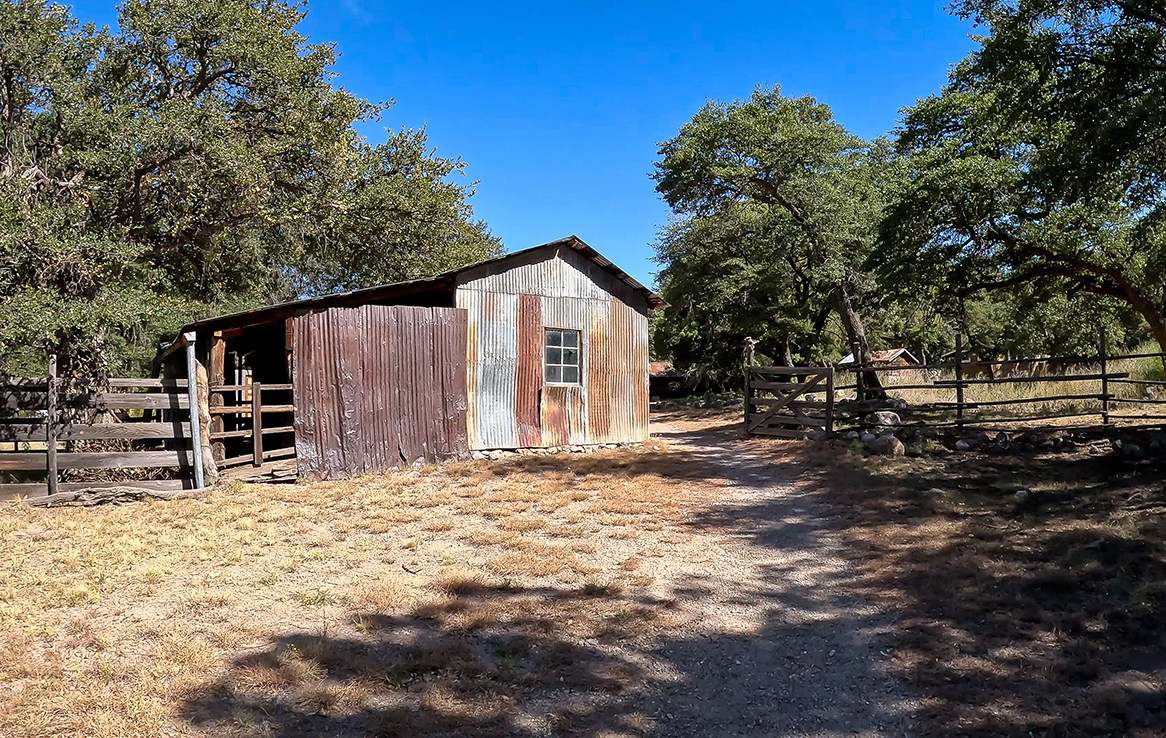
(557, 110)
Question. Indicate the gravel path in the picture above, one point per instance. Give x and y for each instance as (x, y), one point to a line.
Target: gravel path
(779, 648)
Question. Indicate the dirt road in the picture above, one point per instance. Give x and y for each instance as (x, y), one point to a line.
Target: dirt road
(781, 650)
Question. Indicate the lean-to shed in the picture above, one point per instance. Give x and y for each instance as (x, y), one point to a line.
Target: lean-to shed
(542, 347)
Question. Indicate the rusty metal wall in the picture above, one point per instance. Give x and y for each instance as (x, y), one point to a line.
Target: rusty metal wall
(378, 387)
(611, 405)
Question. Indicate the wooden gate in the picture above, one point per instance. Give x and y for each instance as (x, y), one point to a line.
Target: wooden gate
(779, 401)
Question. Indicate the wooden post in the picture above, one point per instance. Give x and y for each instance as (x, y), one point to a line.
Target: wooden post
(959, 380)
(256, 425)
(749, 357)
(830, 400)
(1101, 353)
(52, 426)
(216, 376)
(860, 388)
(192, 398)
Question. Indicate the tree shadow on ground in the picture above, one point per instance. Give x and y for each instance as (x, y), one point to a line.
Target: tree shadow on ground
(511, 662)
(1041, 613)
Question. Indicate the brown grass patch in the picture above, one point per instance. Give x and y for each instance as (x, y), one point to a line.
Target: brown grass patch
(1018, 614)
(246, 610)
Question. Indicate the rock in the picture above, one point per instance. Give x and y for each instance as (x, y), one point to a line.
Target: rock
(979, 439)
(883, 417)
(868, 438)
(936, 492)
(852, 435)
(1155, 445)
(887, 446)
(1022, 496)
(1002, 437)
(1132, 451)
(962, 445)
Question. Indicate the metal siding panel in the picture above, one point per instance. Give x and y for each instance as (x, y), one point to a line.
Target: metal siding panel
(572, 313)
(470, 301)
(497, 378)
(373, 388)
(598, 370)
(529, 372)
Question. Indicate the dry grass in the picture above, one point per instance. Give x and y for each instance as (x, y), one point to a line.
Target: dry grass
(1039, 615)
(451, 593)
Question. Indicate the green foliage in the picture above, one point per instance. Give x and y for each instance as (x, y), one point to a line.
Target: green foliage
(197, 159)
(777, 207)
(1040, 164)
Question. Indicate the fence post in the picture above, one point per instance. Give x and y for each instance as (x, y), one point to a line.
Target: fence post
(959, 380)
(51, 426)
(192, 399)
(256, 425)
(859, 384)
(749, 344)
(1104, 378)
(830, 400)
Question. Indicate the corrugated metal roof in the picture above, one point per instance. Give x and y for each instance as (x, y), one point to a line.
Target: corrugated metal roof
(416, 287)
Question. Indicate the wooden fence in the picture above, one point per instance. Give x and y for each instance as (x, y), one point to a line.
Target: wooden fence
(148, 419)
(243, 407)
(779, 402)
(1088, 395)
(782, 401)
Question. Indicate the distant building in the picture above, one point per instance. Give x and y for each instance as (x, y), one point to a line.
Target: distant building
(891, 358)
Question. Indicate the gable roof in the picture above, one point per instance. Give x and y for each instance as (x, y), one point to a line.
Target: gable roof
(412, 288)
(884, 357)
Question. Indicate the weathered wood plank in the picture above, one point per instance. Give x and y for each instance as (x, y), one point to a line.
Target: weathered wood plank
(131, 383)
(35, 431)
(237, 409)
(38, 460)
(780, 432)
(788, 420)
(32, 489)
(246, 432)
(276, 453)
(130, 401)
(273, 387)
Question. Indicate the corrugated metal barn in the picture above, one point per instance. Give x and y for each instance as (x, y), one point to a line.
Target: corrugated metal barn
(539, 348)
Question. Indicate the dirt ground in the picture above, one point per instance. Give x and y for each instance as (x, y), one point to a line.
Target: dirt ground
(695, 586)
(700, 585)
(1030, 588)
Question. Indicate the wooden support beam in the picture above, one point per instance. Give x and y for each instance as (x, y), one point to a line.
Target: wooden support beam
(256, 424)
(192, 404)
(52, 426)
(216, 375)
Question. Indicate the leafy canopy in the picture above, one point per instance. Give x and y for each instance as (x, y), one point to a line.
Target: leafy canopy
(199, 158)
(1041, 163)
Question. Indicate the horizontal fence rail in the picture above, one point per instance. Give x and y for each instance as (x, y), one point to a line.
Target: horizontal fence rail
(963, 377)
(98, 429)
(778, 401)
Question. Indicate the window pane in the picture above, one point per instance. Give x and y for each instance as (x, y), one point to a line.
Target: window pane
(554, 338)
(554, 355)
(554, 374)
(571, 338)
(571, 356)
(571, 374)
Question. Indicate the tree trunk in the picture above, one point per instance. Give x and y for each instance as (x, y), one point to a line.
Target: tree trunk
(1153, 316)
(852, 322)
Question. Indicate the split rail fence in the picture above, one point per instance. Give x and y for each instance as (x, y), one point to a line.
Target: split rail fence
(67, 430)
(954, 394)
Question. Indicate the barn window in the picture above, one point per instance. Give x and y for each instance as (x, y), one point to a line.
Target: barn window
(562, 356)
